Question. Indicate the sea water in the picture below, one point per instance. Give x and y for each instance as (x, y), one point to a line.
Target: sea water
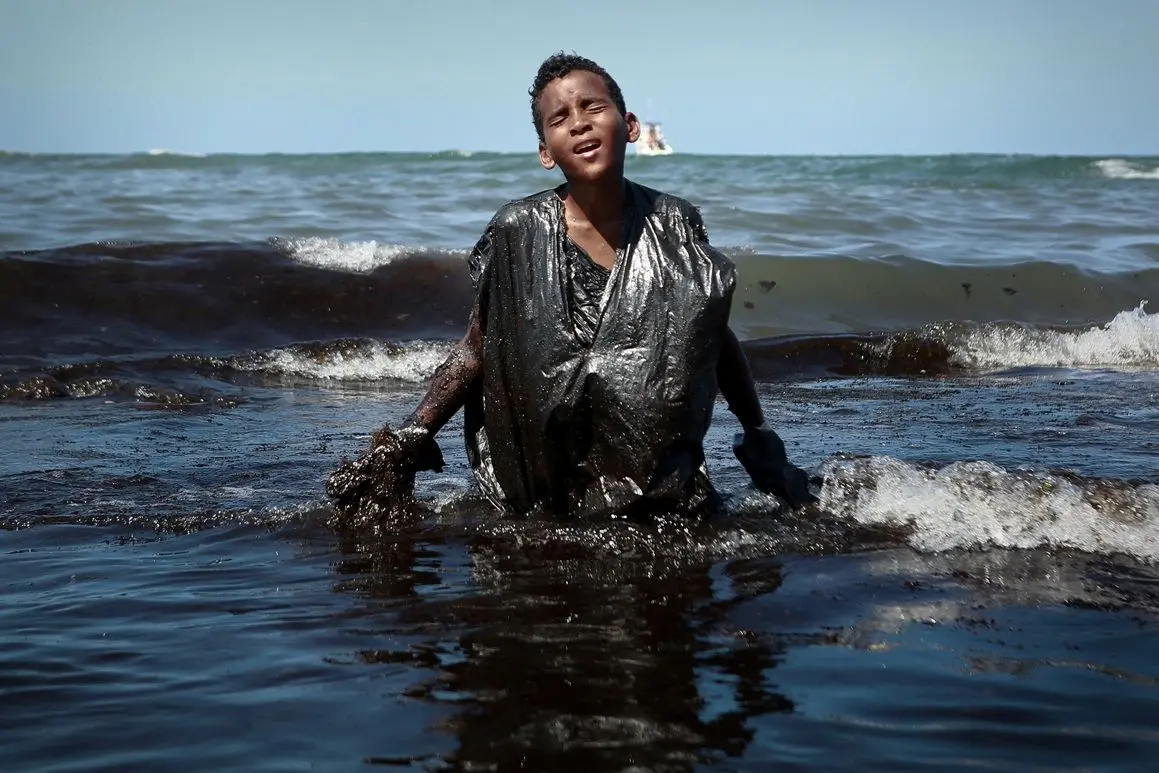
(963, 348)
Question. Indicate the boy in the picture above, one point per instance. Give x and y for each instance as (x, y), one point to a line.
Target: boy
(598, 339)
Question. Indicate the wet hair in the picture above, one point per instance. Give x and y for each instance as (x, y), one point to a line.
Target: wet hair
(559, 65)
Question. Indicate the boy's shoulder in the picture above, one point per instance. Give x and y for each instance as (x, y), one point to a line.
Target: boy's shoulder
(517, 211)
(670, 211)
(651, 200)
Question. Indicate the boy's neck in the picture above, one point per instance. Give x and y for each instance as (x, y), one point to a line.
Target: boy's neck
(597, 202)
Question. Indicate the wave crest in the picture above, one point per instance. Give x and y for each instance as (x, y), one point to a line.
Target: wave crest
(350, 361)
(1131, 339)
(1122, 169)
(334, 254)
(977, 504)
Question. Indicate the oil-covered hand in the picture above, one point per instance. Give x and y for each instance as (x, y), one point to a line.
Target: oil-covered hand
(762, 453)
(416, 446)
(377, 488)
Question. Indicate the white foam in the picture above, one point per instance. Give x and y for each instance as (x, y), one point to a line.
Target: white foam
(1121, 169)
(1131, 340)
(361, 257)
(373, 362)
(978, 504)
(167, 152)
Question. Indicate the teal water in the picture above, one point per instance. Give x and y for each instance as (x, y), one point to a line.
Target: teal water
(1094, 212)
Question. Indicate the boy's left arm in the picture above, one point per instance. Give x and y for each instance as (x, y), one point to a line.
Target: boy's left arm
(736, 382)
(759, 449)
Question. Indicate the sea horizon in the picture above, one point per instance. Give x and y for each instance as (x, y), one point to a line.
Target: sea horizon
(532, 152)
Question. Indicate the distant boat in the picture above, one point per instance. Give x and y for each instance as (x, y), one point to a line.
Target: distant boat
(652, 141)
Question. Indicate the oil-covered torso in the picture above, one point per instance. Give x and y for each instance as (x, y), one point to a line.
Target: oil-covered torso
(597, 403)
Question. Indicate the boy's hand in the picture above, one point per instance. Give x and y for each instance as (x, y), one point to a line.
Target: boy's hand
(762, 453)
(417, 446)
(377, 488)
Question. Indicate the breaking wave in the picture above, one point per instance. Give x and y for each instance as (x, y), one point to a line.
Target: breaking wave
(1122, 169)
(977, 504)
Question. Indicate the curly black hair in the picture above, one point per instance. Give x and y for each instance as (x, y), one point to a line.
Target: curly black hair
(560, 64)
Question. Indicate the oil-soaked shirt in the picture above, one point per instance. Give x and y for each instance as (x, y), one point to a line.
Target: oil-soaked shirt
(597, 402)
(588, 280)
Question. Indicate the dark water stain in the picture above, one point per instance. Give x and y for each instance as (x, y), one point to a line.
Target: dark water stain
(171, 575)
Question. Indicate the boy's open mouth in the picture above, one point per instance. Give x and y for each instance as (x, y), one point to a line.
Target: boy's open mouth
(585, 147)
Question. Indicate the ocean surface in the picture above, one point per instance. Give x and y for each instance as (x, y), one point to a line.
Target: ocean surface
(964, 348)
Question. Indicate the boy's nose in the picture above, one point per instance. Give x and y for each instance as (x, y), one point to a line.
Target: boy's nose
(579, 123)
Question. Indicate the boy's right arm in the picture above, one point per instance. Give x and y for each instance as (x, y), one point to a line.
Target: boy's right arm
(450, 385)
(457, 376)
(452, 380)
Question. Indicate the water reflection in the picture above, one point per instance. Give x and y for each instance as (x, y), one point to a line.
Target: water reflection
(558, 656)
(555, 647)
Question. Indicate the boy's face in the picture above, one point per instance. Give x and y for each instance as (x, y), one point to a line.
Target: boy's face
(584, 132)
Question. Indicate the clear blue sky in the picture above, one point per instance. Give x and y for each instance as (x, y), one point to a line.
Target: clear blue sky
(725, 76)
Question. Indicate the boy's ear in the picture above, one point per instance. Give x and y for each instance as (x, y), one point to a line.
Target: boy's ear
(633, 126)
(545, 157)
